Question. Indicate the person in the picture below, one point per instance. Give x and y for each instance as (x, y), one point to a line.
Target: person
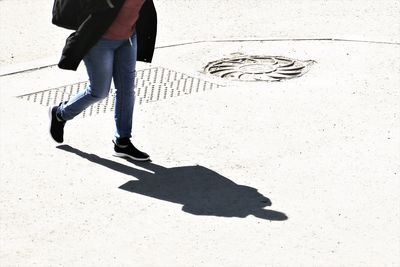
(110, 36)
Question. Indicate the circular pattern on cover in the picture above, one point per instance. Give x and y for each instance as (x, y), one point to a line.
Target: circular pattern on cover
(258, 68)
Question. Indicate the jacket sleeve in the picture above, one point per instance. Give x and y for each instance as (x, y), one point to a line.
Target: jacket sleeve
(146, 29)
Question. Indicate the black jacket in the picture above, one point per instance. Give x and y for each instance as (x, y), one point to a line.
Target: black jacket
(91, 18)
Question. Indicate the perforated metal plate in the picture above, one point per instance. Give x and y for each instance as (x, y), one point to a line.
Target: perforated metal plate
(258, 68)
(152, 85)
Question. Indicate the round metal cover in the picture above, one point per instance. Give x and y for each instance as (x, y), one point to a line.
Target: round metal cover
(258, 68)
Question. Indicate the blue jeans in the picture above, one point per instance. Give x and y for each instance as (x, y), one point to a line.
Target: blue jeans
(107, 60)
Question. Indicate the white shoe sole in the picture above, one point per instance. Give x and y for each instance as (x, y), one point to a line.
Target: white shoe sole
(123, 155)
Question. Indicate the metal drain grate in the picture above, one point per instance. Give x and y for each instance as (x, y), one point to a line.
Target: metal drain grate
(152, 85)
(258, 68)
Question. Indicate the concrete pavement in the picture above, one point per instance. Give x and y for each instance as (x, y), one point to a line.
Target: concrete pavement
(27, 34)
(303, 172)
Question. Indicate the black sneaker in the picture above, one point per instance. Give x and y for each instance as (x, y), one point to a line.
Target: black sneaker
(123, 148)
(56, 125)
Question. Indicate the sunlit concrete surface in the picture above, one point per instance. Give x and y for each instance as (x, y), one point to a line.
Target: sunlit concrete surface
(27, 33)
(303, 172)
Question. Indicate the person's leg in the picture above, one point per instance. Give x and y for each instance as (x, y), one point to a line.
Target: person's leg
(124, 81)
(99, 65)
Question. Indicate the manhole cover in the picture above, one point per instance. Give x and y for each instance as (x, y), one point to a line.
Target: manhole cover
(258, 68)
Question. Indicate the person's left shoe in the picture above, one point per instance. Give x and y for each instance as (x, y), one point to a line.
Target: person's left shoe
(56, 125)
(123, 148)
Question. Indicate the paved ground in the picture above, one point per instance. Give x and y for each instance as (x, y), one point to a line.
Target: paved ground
(27, 34)
(297, 173)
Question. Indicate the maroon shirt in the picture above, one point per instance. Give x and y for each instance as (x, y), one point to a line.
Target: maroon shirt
(124, 25)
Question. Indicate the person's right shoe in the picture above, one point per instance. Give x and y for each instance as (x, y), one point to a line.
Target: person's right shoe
(56, 125)
(125, 149)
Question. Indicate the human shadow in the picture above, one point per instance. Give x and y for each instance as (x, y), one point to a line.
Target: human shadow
(201, 191)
